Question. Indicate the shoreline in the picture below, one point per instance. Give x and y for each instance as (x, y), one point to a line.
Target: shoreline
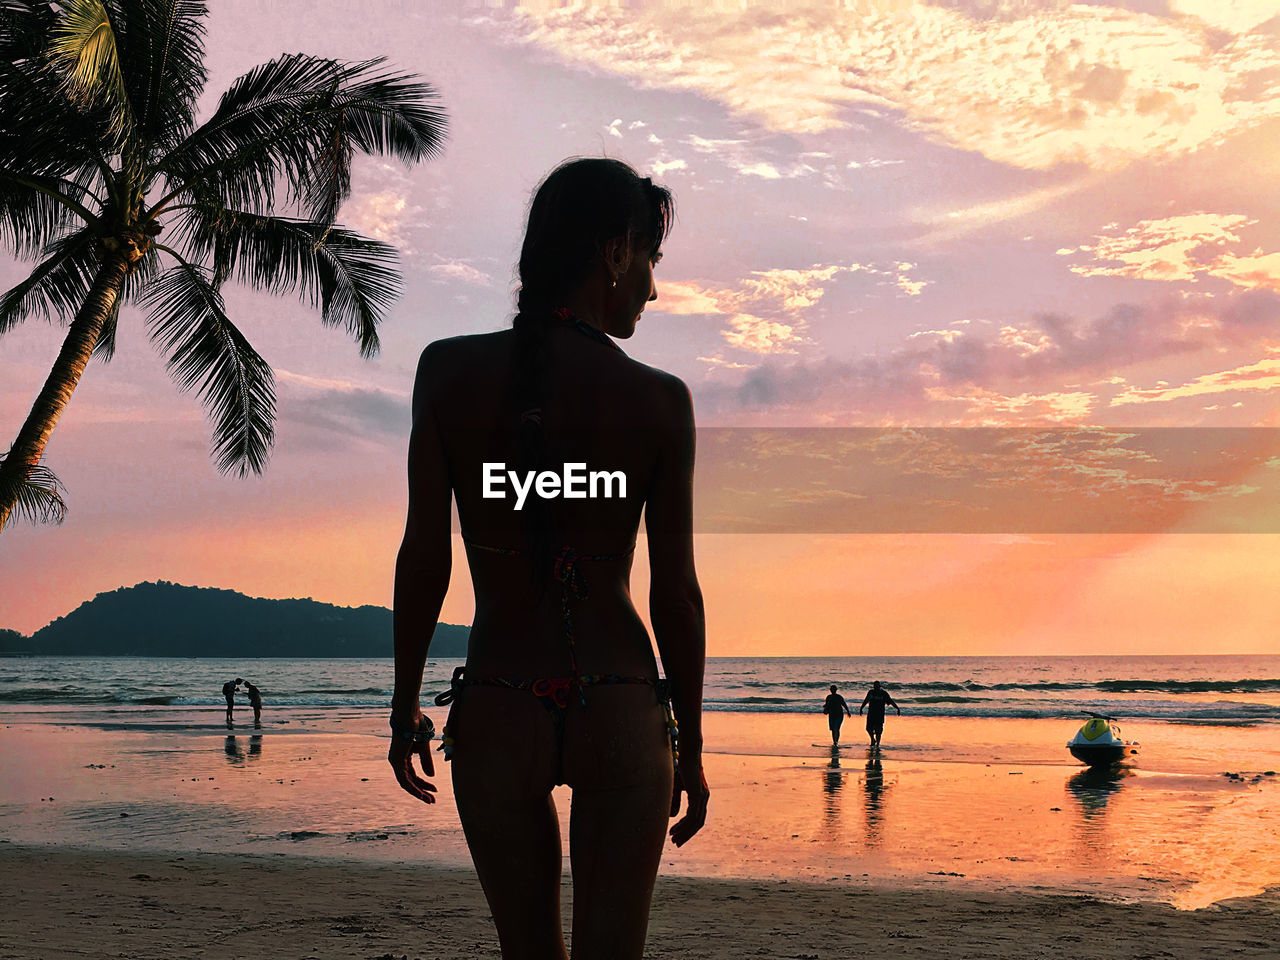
(63, 903)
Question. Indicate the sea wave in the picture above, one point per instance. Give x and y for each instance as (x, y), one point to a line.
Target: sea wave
(1223, 711)
(1246, 685)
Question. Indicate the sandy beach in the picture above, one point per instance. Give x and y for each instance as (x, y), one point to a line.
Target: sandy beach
(63, 904)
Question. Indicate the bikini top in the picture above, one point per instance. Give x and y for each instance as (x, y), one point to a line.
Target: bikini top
(565, 315)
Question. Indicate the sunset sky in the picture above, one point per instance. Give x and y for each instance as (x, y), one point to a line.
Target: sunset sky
(892, 214)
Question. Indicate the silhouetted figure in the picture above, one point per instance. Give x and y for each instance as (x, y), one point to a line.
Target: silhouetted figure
(229, 691)
(255, 701)
(560, 684)
(875, 701)
(836, 710)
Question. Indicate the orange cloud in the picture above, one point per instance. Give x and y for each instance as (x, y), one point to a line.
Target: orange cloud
(1261, 376)
(1170, 249)
(1058, 84)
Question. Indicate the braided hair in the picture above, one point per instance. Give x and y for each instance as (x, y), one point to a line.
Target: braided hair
(576, 210)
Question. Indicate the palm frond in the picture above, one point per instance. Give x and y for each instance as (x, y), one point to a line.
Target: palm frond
(85, 52)
(300, 119)
(25, 26)
(35, 211)
(259, 132)
(208, 354)
(42, 134)
(390, 113)
(58, 285)
(352, 279)
(161, 50)
(376, 112)
(37, 498)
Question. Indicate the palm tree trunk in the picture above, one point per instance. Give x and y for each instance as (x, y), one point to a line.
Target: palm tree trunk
(28, 448)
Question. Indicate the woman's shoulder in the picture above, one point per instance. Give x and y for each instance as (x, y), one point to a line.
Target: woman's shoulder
(667, 385)
(673, 398)
(451, 349)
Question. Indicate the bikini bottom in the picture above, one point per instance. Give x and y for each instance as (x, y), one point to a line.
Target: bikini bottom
(554, 695)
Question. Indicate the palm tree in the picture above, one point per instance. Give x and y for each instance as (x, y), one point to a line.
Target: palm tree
(100, 154)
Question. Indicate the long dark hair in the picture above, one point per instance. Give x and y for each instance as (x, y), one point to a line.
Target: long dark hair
(576, 210)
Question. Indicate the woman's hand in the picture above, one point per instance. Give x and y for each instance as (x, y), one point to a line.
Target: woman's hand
(691, 781)
(400, 756)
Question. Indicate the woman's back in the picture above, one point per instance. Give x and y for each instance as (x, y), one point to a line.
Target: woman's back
(605, 421)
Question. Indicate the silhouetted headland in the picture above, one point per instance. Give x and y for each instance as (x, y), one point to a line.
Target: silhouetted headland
(166, 619)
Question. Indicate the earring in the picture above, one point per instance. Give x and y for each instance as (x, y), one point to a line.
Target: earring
(613, 283)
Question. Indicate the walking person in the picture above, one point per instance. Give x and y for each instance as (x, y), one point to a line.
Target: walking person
(560, 683)
(836, 710)
(875, 701)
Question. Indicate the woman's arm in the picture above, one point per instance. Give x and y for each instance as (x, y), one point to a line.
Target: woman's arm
(422, 577)
(675, 603)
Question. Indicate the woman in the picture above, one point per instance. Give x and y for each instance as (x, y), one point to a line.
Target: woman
(560, 684)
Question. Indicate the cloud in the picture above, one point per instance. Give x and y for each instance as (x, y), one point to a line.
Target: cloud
(1015, 372)
(989, 408)
(719, 361)
(794, 289)
(685, 298)
(766, 171)
(904, 282)
(1059, 83)
(1170, 249)
(1253, 272)
(349, 409)
(951, 223)
(738, 157)
(1234, 16)
(758, 335)
(459, 270)
(1184, 248)
(949, 336)
(379, 215)
(660, 168)
(764, 312)
(1264, 375)
(872, 164)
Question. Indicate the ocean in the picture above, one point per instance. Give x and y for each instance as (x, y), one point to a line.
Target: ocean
(1223, 690)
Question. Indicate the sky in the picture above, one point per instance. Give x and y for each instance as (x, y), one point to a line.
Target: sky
(1056, 222)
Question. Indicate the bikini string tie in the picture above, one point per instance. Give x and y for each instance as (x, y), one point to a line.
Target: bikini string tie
(572, 587)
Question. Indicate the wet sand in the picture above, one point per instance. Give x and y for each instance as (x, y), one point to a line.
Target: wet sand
(62, 903)
(783, 807)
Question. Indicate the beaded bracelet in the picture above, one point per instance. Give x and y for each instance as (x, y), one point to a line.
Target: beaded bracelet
(414, 734)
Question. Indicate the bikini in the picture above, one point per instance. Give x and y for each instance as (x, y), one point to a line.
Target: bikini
(554, 692)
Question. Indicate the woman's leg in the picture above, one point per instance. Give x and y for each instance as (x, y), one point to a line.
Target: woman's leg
(617, 758)
(505, 763)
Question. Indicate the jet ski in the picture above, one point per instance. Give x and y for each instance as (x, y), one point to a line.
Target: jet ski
(1097, 743)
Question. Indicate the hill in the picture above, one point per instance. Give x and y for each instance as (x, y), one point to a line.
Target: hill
(165, 619)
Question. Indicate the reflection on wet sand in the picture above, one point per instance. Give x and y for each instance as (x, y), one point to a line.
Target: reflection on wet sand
(874, 787)
(236, 755)
(832, 781)
(1093, 788)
